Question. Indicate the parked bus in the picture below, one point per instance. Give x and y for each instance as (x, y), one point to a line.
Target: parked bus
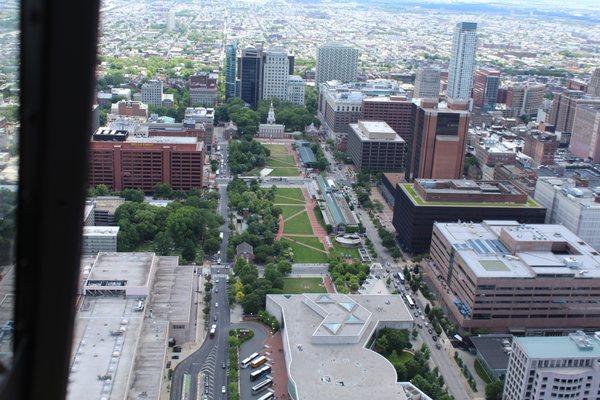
(401, 278)
(259, 373)
(267, 396)
(262, 386)
(246, 361)
(213, 330)
(258, 362)
(410, 301)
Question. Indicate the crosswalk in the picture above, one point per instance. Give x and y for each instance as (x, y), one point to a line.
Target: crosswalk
(208, 369)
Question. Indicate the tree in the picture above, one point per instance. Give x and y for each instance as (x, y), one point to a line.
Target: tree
(493, 390)
(252, 303)
(135, 195)
(162, 191)
(163, 245)
(211, 245)
(102, 190)
(427, 309)
(188, 253)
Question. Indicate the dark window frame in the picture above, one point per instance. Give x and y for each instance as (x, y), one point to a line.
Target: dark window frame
(57, 74)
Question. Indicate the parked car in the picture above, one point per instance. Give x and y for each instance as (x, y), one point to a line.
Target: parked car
(430, 331)
(434, 338)
(223, 390)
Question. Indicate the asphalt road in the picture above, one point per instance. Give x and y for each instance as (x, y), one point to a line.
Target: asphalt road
(209, 358)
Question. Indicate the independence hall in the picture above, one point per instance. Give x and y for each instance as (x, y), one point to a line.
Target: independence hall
(122, 161)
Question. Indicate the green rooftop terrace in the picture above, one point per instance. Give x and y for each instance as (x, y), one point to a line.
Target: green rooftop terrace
(418, 200)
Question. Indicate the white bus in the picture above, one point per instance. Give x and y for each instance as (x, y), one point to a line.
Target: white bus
(410, 301)
(262, 386)
(401, 278)
(259, 373)
(246, 361)
(267, 396)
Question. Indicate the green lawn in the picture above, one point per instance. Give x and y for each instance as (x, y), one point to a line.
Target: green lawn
(308, 240)
(405, 356)
(290, 210)
(290, 193)
(300, 225)
(284, 171)
(276, 149)
(340, 250)
(303, 254)
(480, 370)
(303, 285)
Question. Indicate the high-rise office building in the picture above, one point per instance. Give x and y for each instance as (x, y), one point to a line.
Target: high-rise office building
(230, 70)
(585, 138)
(276, 72)
(593, 88)
(203, 89)
(439, 141)
(462, 61)
(295, 90)
(170, 21)
(427, 83)
(152, 92)
(336, 62)
(572, 205)
(485, 88)
(525, 99)
(563, 109)
(553, 367)
(251, 74)
(397, 111)
(375, 146)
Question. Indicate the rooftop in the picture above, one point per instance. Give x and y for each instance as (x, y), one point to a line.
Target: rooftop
(134, 268)
(507, 249)
(327, 335)
(375, 131)
(567, 187)
(100, 230)
(466, 188)
(576, 345)
(494, 349)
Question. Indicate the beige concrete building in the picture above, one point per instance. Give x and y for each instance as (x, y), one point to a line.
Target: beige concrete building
(506, 276)
(585, 138)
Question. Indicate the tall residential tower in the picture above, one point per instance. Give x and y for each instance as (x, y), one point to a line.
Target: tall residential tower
(427, 83)
(336, 62)
(230, 70)
(462, 61)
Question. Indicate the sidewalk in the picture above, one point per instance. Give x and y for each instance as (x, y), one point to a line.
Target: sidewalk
(278, 370)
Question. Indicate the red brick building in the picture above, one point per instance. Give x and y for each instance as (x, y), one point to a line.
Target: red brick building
(439, 141)
(122, 162)
(396, 111)
(541, 147)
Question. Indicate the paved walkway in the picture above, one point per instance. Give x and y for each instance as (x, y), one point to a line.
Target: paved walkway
(291, 239)
(278, 370)
(280, 228)
(329, 284)
(318, 230)
(294, 215)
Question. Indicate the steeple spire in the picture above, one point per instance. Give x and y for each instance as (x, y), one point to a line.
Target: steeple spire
(271, 117)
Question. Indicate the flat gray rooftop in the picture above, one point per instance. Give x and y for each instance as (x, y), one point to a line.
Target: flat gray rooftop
(131, 267)
(326, 353)
(170, 301)
(135, 360)
(486, 249)
(98, 352)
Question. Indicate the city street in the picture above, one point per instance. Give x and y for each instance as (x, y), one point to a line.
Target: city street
(209, 358)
